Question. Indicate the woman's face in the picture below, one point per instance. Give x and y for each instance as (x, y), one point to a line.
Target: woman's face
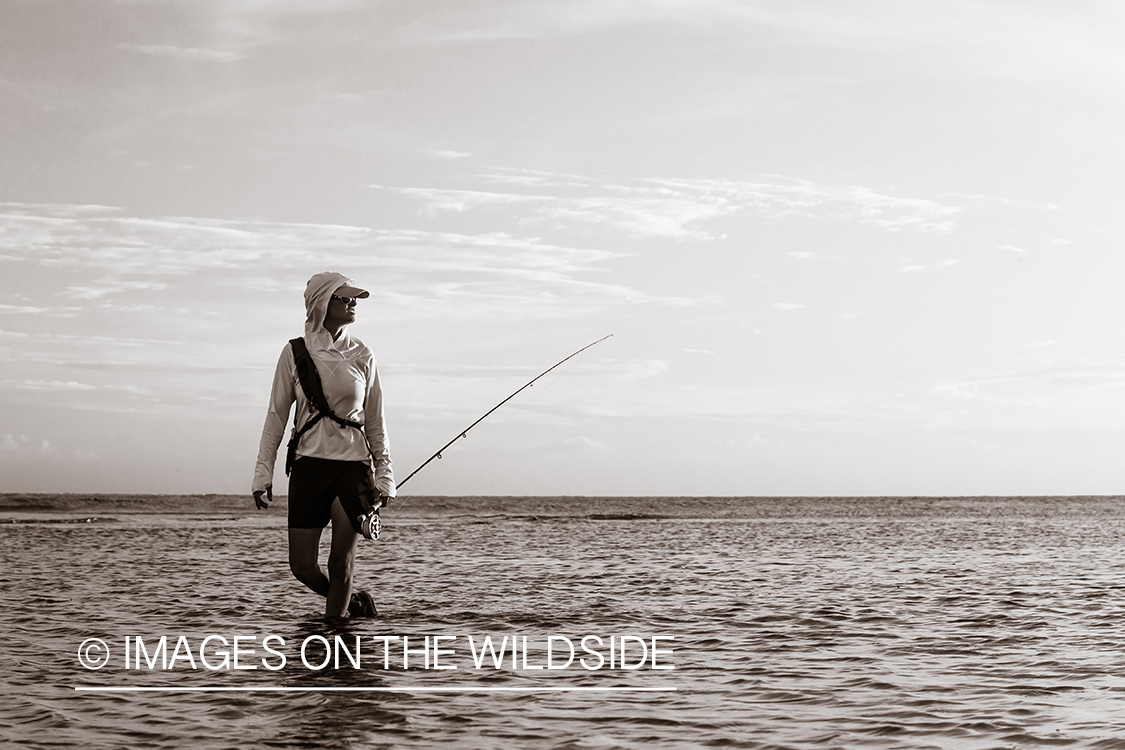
(341, 311)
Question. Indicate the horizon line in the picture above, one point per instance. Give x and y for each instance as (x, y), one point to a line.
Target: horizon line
(6, 493)
(409, 688)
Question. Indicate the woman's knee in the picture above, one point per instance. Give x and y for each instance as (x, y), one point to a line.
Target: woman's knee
(303, 569)
(340, 566)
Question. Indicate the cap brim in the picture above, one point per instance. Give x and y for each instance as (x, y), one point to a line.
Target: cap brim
(352, 291)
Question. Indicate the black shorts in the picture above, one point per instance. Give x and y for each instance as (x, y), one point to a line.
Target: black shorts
(316, 482)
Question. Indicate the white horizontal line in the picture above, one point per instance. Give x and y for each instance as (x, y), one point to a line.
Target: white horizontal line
(404, 689)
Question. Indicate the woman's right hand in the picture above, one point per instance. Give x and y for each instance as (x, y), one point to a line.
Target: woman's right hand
(263, 503)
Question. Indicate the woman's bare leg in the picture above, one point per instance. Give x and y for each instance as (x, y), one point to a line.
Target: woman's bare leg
(334, 582)
(304, 553)
(341, 563)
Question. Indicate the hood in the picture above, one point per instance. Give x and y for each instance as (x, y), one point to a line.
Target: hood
(318, 292)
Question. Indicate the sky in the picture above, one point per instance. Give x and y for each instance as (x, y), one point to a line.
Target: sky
(844, 248)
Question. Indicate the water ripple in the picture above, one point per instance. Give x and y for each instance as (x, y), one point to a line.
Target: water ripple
(798, 623)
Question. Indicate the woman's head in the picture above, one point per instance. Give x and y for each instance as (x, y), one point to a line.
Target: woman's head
(330, 302)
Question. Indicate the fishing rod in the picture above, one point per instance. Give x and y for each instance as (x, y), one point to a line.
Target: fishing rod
(465, 432)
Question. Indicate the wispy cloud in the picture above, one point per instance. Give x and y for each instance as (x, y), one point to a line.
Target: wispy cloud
(999, 39)
(182, 53)
(679, 209)
(1073, 377)
(910, 267)
(437, 199)
(48, 385)
(102, 287)
(538, 19)
(806, 255)
(153, 304)
(1082, 397)
(54, 312)
(119, 262)
(24, 445)
(585, 444)
(58, 210)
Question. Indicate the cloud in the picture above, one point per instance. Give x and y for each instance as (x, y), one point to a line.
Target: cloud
(778, 198)
(489, 372)
(786, 306)
(54, 385)
(617, 369)
(500, 20)
(110, 247)
(632, 370)
(54, 312)
(182, 53)
(57, 210)
(451, 154)
(1037, 388)
(24, 445)
(585, 444)
(912, 267)
(806, 255)
(535, 178)
(119, 263)
(103, 287)
(71, 386)
(678, 209)
(437, 200)
(232, 29)
(159, 306)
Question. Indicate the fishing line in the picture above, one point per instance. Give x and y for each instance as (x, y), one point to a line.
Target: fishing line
(465, 432)
(519, 407)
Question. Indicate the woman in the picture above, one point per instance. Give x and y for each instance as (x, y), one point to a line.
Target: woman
(342, 467)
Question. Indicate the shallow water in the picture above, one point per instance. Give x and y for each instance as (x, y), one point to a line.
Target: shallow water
(800, 623)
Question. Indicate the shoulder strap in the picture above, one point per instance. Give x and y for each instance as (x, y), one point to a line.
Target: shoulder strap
(314, 391)
(309, 377)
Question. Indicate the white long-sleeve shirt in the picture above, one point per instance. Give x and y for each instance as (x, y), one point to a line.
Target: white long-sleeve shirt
(350, 379)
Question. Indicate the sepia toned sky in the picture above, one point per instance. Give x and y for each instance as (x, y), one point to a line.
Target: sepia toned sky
(856, 248)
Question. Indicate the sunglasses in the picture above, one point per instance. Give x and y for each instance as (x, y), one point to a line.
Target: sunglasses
(345, 300)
